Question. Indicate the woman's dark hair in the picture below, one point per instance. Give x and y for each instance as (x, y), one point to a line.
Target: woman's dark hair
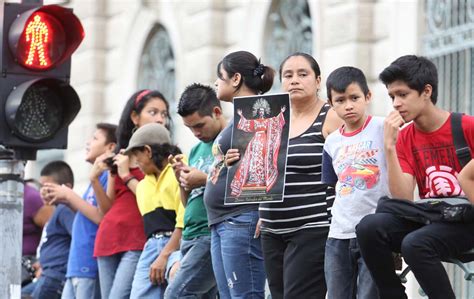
(256, 76)
(136, 103)
(312, 62)
(160, 152)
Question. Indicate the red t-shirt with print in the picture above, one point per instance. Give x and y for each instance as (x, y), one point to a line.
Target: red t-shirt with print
(122, 228)
(431, 157)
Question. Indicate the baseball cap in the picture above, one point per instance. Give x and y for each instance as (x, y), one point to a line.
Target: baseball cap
(148, 134)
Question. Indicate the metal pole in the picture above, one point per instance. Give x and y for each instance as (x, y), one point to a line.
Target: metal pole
(11, 224)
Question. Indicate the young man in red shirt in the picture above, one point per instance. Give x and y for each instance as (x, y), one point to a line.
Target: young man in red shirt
(421, 153)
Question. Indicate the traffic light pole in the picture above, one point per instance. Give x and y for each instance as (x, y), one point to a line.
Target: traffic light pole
(11, 224)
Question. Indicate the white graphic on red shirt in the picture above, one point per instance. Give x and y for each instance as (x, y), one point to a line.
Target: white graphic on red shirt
(441, 181)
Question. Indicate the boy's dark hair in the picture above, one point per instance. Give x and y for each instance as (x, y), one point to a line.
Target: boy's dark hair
(344, 76)
(136, 103)
(198, 97)
(312, 62)
(160, 152)
(109, 130)
(415, 71)
(256, 76)
(60, 171)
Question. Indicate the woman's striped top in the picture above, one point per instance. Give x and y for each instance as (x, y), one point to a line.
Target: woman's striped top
(307, 202)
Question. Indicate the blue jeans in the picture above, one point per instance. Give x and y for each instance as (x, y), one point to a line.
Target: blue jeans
(116, 274)
(347, 275)
(237, 257)
(195, 277)
(27, 290)
(142, 286)
(48, 288)
(81, 288)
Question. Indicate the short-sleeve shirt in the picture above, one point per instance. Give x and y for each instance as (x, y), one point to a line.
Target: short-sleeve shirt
(31, 232)
(431, 157)
(54, 252)
(355, 163)
(121, 229)
(214, 194)
(81, 261)
(159, 201)
(195, 216)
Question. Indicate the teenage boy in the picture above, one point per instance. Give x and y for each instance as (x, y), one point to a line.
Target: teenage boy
(354, 163)
(82, 274)
(202, 114)
(422, 152)
(56, 240)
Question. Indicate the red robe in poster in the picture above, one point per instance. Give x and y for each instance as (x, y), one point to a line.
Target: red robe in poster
(259, 166)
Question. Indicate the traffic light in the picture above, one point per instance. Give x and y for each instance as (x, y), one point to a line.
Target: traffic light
(37, 104)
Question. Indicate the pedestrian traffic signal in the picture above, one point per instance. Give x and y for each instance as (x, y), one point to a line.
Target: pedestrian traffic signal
(37, 104)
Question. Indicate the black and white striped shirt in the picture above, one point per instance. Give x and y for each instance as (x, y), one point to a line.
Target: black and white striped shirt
(307, 202)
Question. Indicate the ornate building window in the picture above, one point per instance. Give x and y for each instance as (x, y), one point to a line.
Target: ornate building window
(157, 65)
(288, 30)
(449, 43)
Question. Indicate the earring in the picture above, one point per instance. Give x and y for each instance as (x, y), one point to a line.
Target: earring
(134, 129)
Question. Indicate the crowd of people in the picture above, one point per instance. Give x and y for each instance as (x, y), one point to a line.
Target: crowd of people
(153, 222)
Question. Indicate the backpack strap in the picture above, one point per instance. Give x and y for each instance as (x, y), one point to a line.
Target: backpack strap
(462, 149)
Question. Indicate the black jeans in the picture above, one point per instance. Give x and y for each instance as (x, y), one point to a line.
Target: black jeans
(422, 246)
(294, 263)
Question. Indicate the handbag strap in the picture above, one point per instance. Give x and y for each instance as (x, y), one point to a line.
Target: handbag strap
(462, 149)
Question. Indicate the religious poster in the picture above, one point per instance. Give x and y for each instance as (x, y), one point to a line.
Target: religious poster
(260, 133)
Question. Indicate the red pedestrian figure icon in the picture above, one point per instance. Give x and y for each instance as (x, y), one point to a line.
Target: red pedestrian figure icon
(37, 35)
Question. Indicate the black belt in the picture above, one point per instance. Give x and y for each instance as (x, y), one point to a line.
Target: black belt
(158, 235)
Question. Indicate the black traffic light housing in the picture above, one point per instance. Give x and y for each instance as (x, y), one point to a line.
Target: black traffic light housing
(37, 104)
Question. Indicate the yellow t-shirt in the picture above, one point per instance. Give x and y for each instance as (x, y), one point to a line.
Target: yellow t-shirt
(159, 202)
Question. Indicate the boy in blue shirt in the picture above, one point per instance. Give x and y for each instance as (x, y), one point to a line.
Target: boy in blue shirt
(56, 240)
(82, 273)
(353, 162)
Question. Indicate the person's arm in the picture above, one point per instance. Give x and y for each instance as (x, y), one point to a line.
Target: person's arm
(158, 267)
(466, 180)
(104, 198)
(332, 123)
(190, 178)
(66, 218)
(401, 184)
(43, 215)
(67, 196)
(177, 164)
(123, 168)
(328, 175)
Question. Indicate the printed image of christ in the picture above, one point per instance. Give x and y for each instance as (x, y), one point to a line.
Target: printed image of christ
(260, 163)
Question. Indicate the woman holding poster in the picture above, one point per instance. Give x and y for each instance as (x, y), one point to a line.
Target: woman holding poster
(237, 257)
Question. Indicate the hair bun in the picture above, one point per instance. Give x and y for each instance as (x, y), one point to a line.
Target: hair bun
(259, 70)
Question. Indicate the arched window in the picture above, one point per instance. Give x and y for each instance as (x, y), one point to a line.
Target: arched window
(449, 43)
(157, 65)
(288, 30)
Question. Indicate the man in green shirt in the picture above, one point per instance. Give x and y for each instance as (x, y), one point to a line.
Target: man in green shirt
(202, 114)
